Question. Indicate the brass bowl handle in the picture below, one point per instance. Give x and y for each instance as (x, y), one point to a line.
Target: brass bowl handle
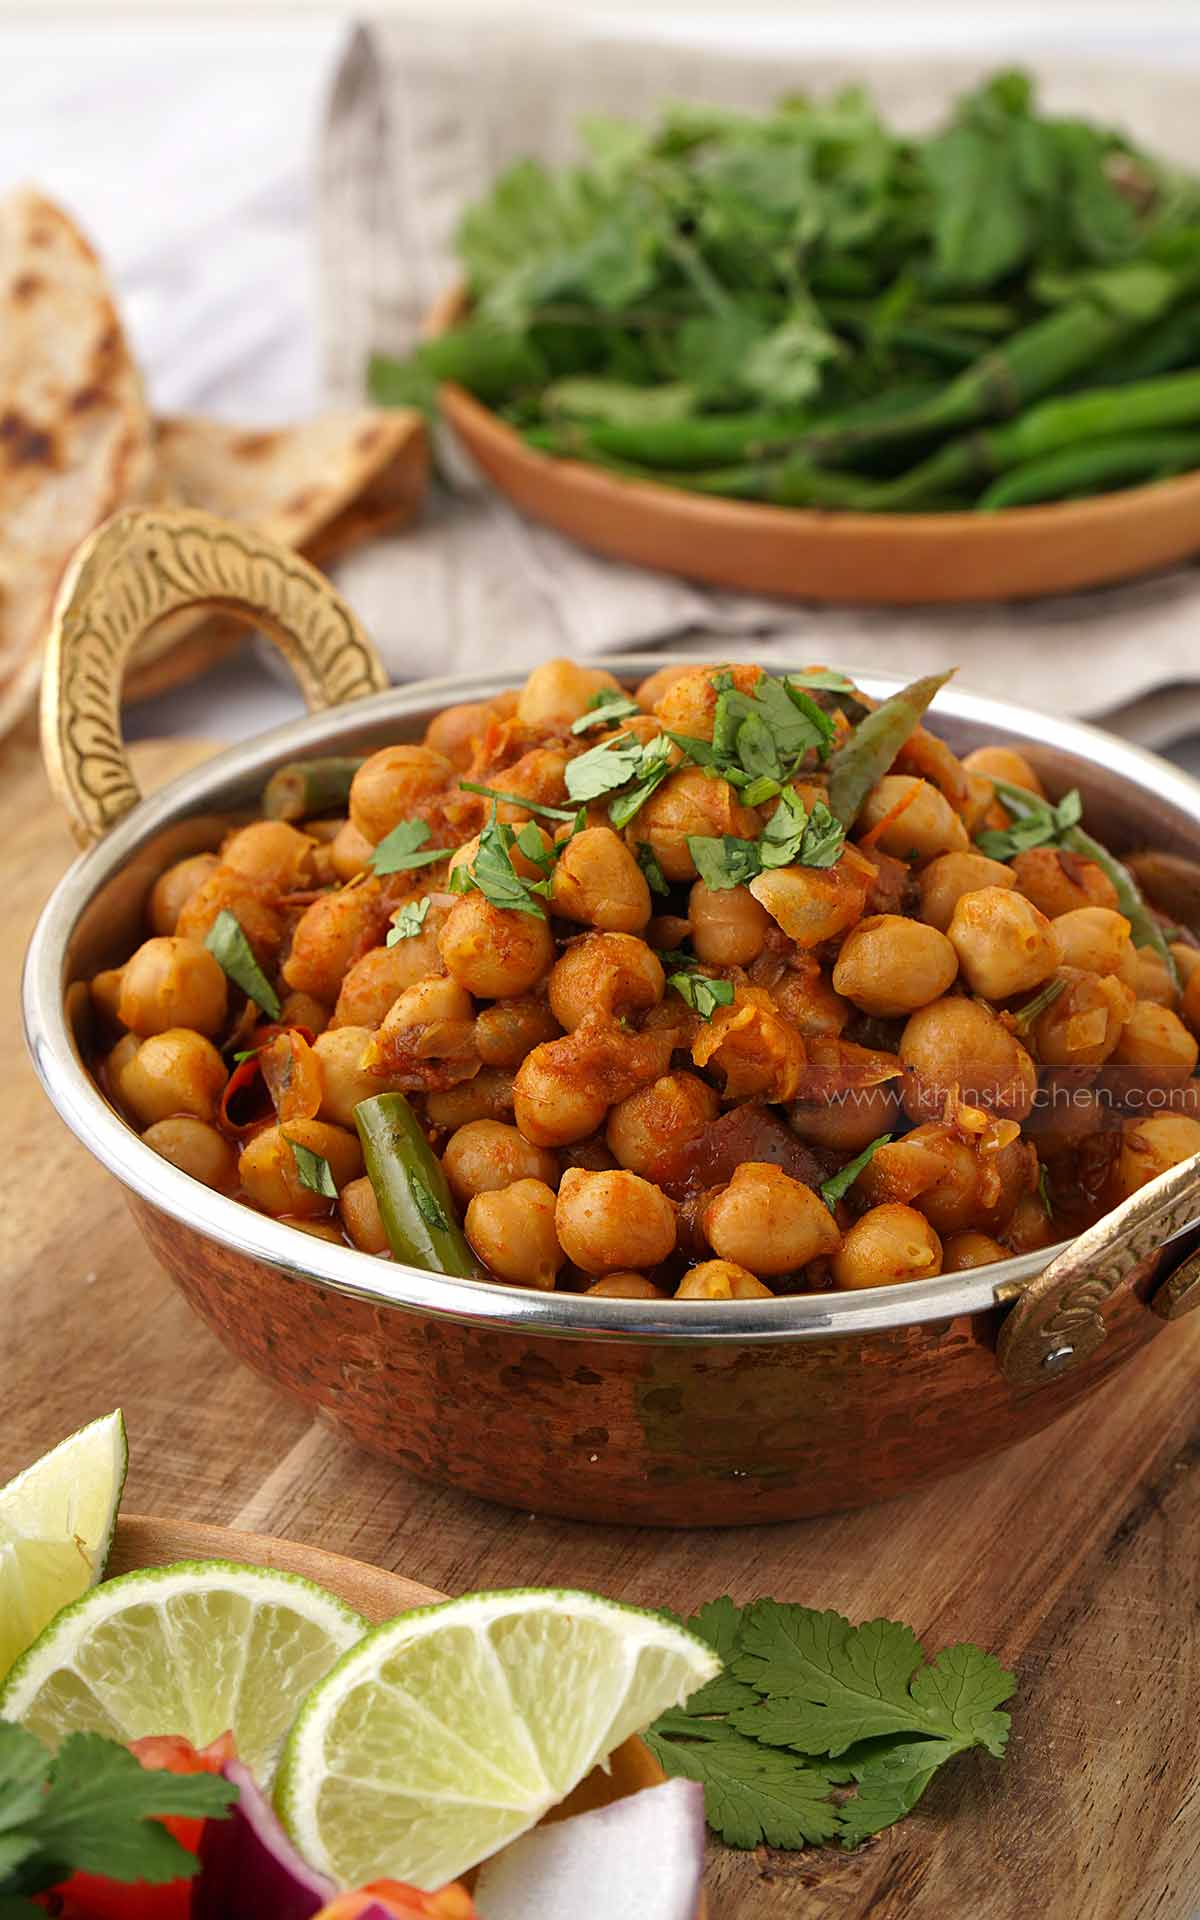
(1058, 1319)
(139, 568)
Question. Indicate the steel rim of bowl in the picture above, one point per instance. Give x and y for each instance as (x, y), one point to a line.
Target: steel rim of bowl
(489, 1304)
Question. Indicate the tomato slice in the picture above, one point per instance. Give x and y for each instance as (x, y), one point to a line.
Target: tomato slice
(90, 1896)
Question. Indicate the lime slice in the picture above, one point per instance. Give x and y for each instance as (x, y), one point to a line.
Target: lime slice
(449, 1731)
(56, 1527)
(200, 1648)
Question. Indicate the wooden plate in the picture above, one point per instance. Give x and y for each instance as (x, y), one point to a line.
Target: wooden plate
(146, 1541)
(885, 559)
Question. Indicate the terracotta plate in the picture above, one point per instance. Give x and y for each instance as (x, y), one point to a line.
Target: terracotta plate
(887, 559)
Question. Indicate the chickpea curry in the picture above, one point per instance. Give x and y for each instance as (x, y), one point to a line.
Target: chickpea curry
(732, 985)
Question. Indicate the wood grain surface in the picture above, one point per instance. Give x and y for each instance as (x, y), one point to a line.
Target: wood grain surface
(1076, 1556)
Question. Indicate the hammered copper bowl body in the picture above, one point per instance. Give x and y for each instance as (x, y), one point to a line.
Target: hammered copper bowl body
(684, 1413)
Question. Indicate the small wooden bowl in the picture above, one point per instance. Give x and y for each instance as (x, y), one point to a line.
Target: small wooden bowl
(887, 559)
(146, 1541)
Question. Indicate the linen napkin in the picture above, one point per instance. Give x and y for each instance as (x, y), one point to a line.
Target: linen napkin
(424, 113)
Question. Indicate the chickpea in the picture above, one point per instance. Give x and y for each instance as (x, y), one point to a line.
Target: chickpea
(805, 996)
(612, 1222)
(538, 775)
(361, 1216)
(225, 891)
(1059, 881)
(889, 965)
(331, 935)
(271, 851)
(509, 1029)
(559, 691)
(1030, 1228)
(1152, 978)
(320, 1230)
(431, 1022)
(688, 702)
(765, 1216)
(344, 1080)
(955, 1182)
(1191, 1001)
(625, 1286)
(887, 1246)
(391, 785)
(1004, 763)
(528, 869)
(754, 1050)
(454, 731)
(1149, 1147)
(598, 881)
(1097, 940)
(486, 1155)
(814, 904)
(374, 983)
(173, 1072)
(1153, 1036)
(1186, 958)
(962, 1252)
(689, 802)
(921, 823)
(512, 1231)
(196, 1148)
(302, 1010)
(608, 973)
(650, 691)
(174, 888)
(944, 881)
(851, 1095)
(958, 1050)
(1082, 1026)
(659, 1118)
(171, 982)
(494, 951)
(350, 853)
(1004, 945)
(105, 994)
(981, 802)
(487, 1096)
(729, 928)
(271, 1178)
(721, 1280)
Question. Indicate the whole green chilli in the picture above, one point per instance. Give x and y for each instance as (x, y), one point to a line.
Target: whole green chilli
(415, 1203)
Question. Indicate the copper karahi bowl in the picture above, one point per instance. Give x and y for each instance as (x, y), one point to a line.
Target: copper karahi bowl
(685, 1413)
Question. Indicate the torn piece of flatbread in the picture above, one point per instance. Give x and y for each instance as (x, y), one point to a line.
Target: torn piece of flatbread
(75, 435)
(320, 487)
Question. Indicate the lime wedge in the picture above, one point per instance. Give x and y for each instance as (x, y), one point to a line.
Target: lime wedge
(56, 1527)
(449, 1731)
(198, 1649)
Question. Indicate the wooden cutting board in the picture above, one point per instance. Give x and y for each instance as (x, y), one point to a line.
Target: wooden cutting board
(1075, 1557)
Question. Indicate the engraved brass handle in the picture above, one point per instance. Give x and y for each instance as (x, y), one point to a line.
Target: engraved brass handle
(134, 571)
(1058, 1319)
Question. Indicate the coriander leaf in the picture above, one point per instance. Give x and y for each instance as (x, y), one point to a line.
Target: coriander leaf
(652, 770)
(101, 1813)
(961, 1690)
(404, 848)
(891, 1776)
(821, 680)
(824, 838)
(751, 1794)
(783, 835)
(655, 878)
(719, 1624)
(14, 1908)
(517, 800)
(1036, 823)
(314, 1169)
(604, 768)
(530, 842)
(604, 709)
(492, 873)
(701, 993)
(757, 752)
(426, 1202)
(702, 753)
(725, 862)
(408, 921)
(840, 1183)
(230, 947)
(759, 790)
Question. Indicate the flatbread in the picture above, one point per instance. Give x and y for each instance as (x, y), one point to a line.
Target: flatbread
(75, 434)
(320, 487)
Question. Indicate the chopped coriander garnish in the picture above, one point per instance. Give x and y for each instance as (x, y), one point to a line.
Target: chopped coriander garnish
(604, 709)
(1036, 822)
(725, 862)
(652, 770)
(656, 880)
(702, 994)
(517, 800)
(604, 768)
(839, 1184)
(405, 848)
(408, 921)
(314, 1169)
(492, 873)
(230, 947)
(792, 837)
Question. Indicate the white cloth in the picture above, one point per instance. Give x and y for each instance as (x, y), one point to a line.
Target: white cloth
(424, 114)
